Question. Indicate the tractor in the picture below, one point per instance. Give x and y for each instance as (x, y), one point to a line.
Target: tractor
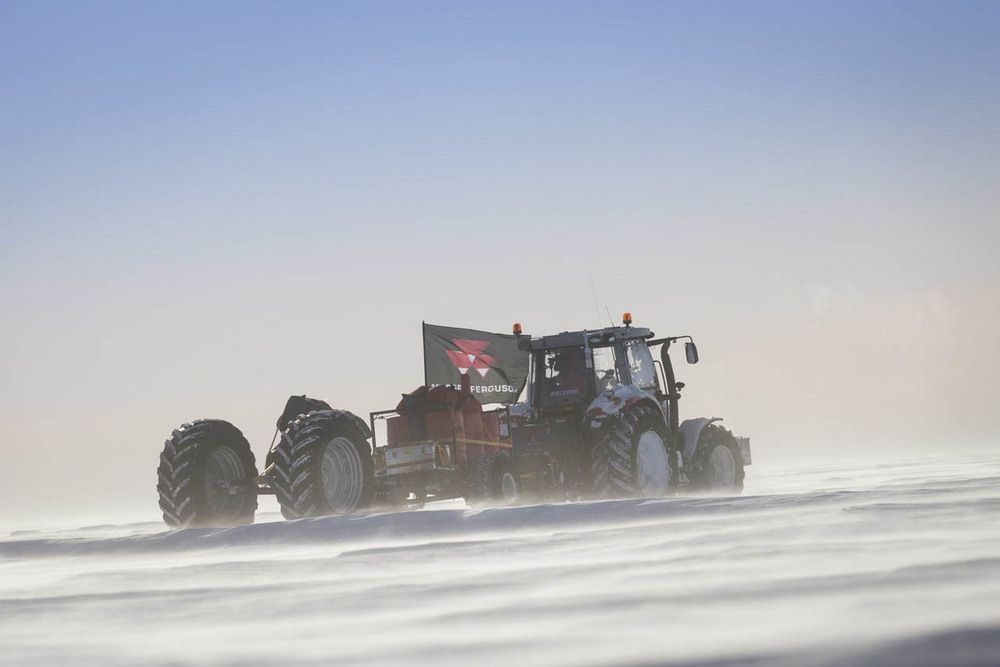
(600, 420)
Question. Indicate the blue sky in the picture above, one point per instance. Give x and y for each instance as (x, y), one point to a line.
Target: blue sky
(450, 107)
(205, 207)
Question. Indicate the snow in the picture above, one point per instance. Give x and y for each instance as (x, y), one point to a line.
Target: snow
(889, 564)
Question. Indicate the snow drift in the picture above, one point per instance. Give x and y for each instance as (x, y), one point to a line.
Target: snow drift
(891, 564)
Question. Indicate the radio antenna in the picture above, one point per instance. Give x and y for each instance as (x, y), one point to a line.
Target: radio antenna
(593, 291)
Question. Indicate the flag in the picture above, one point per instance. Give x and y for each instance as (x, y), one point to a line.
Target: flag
(495, 365)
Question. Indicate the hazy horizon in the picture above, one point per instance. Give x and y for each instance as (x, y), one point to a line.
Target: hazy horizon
(205, 208)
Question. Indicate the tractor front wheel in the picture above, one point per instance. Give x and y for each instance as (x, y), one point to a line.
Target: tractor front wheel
(717, 465)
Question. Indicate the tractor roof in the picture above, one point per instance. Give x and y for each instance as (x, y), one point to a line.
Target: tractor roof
(594, 337)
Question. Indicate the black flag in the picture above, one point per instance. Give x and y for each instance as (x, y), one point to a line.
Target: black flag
(496, 367)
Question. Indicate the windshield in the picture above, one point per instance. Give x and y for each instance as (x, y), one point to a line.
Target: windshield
(640, 364)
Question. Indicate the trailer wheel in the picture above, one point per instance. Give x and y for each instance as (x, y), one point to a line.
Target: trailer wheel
(207, 476)
(322, 465)
(491, 481)
(631, 457)
(717, 464)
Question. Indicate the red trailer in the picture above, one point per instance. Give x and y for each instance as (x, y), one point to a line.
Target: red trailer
(439, 444)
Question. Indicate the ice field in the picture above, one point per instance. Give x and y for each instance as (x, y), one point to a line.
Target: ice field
(889, 564)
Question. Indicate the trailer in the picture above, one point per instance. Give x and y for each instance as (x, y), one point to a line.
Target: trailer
(439, 443)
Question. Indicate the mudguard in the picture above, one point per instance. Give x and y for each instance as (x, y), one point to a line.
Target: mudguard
(690, 432)
(614, 401)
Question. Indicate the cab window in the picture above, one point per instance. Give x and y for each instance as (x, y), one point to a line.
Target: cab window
(640, 364)
(565, 374)
(605, 369)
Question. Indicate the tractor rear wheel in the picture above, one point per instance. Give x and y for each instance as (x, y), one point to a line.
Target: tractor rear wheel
(207, 476)
(491, 481)
(322, 465)
(631, 457)
(717, 465)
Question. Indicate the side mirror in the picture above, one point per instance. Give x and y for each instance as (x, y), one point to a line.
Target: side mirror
(691, 352)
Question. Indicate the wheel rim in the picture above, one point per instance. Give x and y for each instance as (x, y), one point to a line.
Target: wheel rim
(222, 469)
(652, 465)
(508, 487)
(341, 474)
(721, 473)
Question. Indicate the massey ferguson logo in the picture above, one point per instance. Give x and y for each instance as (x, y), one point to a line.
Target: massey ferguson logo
(480, 357)
(470, 355)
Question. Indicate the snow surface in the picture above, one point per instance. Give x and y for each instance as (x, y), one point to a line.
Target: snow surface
(890, 564)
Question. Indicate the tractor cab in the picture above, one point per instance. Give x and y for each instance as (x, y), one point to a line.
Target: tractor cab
(571, 369)
(578, 380)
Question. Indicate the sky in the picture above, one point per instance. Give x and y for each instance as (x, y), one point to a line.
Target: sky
(207, 207)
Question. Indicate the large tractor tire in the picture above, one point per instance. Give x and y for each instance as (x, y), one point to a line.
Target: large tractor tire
(323, 465)
(630, 458)
(717, 464)
(492, 482)
(207, 476)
